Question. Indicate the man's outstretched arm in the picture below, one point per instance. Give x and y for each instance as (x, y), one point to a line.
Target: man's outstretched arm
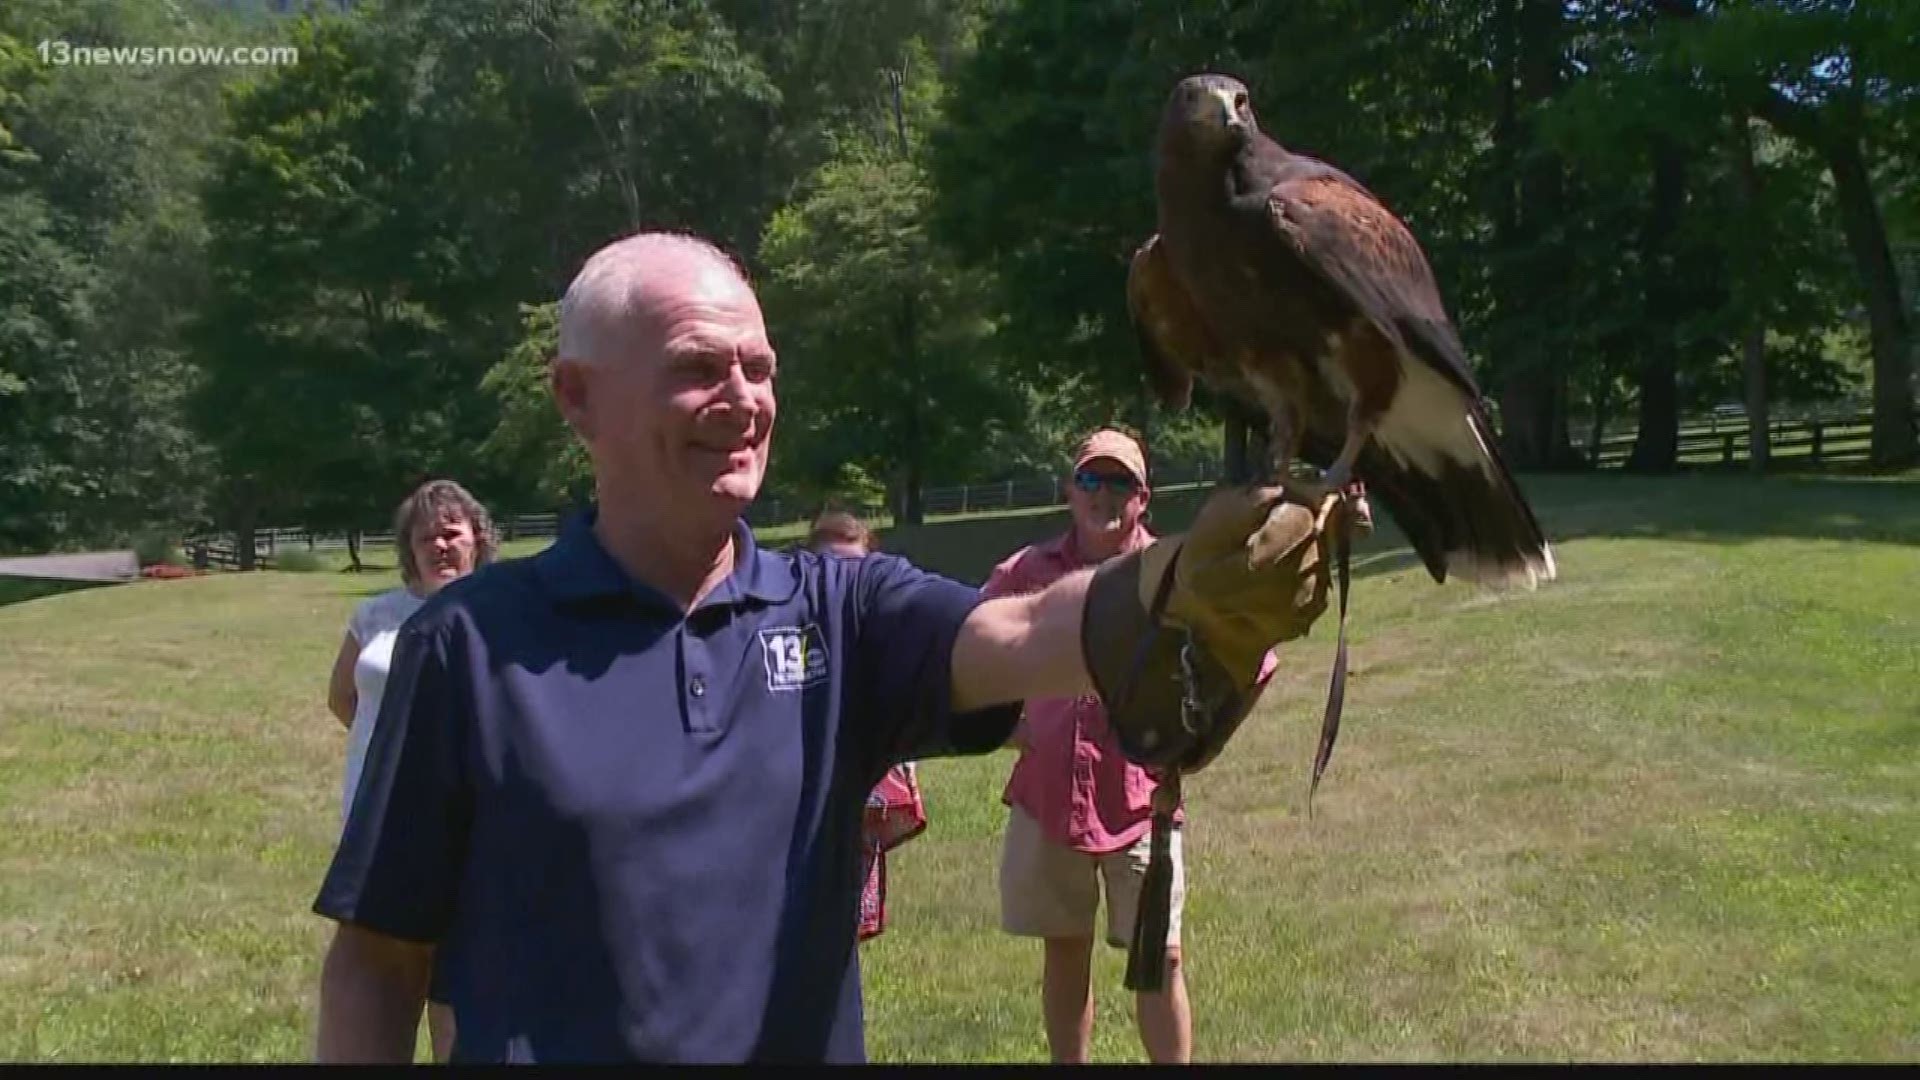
(1212, 600)
(1012, 648)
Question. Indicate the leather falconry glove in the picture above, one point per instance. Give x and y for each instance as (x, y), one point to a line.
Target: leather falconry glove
(1174, 636)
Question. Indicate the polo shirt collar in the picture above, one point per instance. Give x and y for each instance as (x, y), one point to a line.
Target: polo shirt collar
(759, 574)
(576, 569)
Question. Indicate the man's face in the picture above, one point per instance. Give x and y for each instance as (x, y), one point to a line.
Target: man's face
(681, 415)
(1113, 506)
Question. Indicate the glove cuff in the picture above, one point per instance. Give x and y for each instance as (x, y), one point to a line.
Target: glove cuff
(1170, 702)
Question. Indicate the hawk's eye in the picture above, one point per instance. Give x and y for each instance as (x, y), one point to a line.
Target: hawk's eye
(1240, 102)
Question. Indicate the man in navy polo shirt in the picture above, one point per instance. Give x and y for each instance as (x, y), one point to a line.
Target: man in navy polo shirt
(615, 789)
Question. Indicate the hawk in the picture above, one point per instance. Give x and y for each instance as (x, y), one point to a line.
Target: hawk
(1280, 281)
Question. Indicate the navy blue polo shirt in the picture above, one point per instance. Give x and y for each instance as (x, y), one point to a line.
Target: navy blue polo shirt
(632, 831)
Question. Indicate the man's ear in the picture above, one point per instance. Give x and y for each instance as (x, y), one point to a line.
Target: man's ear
(568, 381)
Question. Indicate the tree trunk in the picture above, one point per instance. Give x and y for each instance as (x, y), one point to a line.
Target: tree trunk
(1602, 405)
(1514, 393)
(913, 508)
(353, 551)
(1838, 142)
(1753, 343)
(1249, 454)
(1893, 431)
(1260, 451)
(1235, 464)
(1656, 446)
(1753, 361)
(246, 522)
(914, 512)
(1543, 199)
(1536, 432)
(1529, 200)
(1506, 206)
(1557, 424)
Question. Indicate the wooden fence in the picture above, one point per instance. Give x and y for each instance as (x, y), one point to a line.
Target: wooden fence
(1722, 440)
(771, 510)
(221, 550)
(1718, 439)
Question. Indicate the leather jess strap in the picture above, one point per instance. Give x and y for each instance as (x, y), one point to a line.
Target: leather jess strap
(1337, 684)
(1147, 951)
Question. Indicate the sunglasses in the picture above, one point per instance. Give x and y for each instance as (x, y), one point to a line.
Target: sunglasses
(1089, 481)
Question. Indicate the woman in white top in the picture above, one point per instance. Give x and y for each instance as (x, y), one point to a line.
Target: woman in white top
(441, 533)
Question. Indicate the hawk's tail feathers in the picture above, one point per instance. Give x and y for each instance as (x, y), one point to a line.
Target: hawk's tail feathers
(1441, 475)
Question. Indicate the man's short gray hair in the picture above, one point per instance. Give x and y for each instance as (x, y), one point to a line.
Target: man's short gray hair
(598, 306)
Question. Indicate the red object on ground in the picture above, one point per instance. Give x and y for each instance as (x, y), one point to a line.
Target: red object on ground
(894, 816)
(167, 570)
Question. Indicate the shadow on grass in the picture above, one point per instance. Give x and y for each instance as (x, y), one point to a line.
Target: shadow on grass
(16, 590)
(1721, 508)
(1701, 506)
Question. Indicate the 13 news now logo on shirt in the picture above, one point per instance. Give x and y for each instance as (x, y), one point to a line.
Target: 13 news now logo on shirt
(795, 656)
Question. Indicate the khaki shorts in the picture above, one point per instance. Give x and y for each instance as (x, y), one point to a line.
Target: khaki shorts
(1047, 890)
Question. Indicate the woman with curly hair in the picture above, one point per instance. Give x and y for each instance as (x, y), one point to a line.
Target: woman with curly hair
(441, 533)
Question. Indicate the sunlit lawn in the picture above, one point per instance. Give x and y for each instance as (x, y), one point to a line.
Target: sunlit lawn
(1667, 808)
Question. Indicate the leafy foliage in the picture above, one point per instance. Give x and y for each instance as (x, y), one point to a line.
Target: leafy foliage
(531, 440)
(229, 293)
(100, 253)
(888, 346)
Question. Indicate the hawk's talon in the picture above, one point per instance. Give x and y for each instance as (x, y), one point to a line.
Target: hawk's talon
(1362, 519)
(1331, 501)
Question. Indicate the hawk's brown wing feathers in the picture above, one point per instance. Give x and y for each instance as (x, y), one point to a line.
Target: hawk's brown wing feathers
(1453, 496)
(1359, 248)
(1174, 341)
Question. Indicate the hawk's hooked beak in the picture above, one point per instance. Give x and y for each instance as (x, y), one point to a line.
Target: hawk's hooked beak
(1229, 115)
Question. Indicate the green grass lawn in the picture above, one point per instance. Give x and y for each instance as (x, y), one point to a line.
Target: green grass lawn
(1667, 808)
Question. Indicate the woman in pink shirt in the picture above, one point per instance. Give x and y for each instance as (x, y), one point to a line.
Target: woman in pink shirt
(1080, 812)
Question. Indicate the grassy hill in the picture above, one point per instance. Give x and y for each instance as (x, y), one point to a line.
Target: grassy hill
(1664, 809)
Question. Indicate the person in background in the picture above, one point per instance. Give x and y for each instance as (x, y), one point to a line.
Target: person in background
(1081, 814)
(895, 811)
(441, 533)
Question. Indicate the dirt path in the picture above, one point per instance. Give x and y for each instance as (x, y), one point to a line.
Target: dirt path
(78, 566)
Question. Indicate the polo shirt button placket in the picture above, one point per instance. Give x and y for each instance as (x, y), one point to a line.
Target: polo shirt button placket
(697, 665)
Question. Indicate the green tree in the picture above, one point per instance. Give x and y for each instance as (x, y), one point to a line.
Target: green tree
(531, 440)
(17, 70)
(385, 209)
(322, 393)
(886, 344)
(1567, 167)
(1045, 165)
(99, 265)
(1838, 77)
